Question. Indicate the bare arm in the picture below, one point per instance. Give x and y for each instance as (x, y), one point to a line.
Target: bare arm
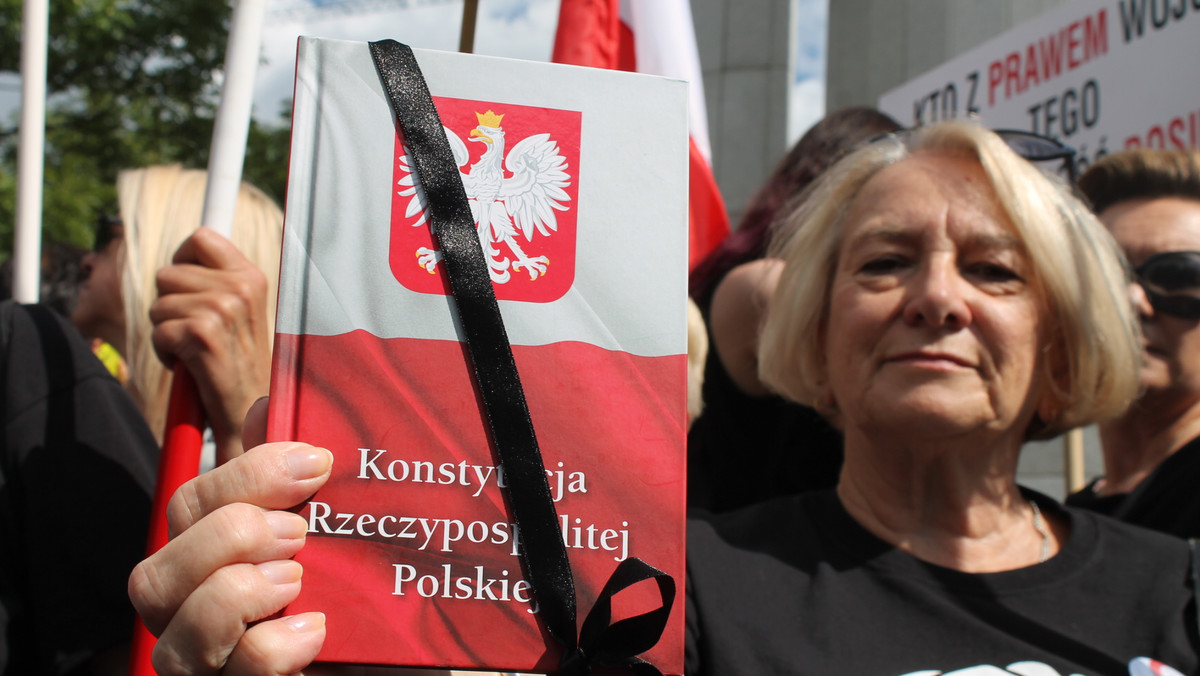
(738, 308)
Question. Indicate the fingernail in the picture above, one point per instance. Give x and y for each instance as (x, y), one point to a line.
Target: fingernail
(281, 572)
(308, 462)
(287, 526)
(305, 622)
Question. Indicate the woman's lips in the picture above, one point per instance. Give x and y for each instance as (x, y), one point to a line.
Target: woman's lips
(931, 359)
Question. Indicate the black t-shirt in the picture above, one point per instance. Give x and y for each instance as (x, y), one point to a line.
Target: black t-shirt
(1167, 500)
(796, 586)
(77, 468)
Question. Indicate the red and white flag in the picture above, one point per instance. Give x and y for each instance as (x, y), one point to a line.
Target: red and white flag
(575, 182)
(655, 37)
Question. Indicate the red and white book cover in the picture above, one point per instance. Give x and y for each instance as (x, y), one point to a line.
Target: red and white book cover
(577, 181)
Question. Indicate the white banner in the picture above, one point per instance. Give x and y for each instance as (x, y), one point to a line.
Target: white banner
(1100, 75)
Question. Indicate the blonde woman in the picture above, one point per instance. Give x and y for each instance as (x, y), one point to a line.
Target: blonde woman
(159, 288)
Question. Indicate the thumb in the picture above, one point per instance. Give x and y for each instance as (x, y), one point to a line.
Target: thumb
(254, 429)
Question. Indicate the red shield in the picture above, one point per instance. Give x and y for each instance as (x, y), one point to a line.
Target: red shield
(553, 252)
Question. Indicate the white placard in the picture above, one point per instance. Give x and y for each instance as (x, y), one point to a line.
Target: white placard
(1100, 75)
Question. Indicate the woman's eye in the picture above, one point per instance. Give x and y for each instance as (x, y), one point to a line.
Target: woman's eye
(883, 265)
(994, 272)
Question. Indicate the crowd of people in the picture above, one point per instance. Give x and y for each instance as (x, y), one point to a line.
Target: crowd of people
(897, 315)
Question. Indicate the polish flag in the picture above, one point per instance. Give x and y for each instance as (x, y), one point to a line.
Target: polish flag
(654, 37)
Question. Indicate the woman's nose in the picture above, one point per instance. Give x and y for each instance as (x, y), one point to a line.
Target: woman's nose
(937, 297)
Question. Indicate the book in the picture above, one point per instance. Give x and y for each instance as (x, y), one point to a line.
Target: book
(579, 177)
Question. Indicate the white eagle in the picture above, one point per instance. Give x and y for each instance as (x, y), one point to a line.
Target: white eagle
(501, 207)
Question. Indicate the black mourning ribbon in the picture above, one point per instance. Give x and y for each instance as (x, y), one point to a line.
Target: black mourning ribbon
(545, 556)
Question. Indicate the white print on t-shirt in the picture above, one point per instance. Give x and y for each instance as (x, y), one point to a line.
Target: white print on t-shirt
(1144, 666)
(1139, 666)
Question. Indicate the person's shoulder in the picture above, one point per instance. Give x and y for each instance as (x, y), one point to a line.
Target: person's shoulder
(735, 521)
(752, 282)
(35, 336)
(1121, 543)
(46, 366)
(1090, 499)
(8, 308)
(1085, 494)
(16, 317)
(767, 526)
(1135, 567)
(1186, 460)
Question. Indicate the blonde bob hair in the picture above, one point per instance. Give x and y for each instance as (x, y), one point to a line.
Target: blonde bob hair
(1093, 350)
(160, 207)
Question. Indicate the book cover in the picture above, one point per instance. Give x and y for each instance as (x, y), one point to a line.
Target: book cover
(577, 181)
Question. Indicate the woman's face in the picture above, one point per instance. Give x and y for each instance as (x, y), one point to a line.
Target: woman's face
(100, 309)
(1171, 345)
(934, 324)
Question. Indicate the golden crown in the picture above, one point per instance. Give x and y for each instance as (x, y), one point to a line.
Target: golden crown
(489, 119)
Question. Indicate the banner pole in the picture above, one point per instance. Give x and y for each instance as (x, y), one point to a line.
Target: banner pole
(466, 39)
(1073, 469)
(232, 125)
(31, 154)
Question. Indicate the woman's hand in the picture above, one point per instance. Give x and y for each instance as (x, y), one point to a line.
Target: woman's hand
(227, 567)
(211, 313)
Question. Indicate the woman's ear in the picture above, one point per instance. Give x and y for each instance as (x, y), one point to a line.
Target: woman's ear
(832, 414)
(826, 404)
(1049, 409)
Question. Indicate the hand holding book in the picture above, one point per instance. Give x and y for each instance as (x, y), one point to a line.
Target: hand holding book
(207, 593)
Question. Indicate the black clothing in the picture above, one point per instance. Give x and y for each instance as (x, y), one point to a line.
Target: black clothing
(744, 449)
(1167, 500)
(77, 469)
(796, 586)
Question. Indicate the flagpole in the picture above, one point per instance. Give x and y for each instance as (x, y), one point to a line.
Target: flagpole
(180, 460)
(31, 154)
(1073, 463)
(466, 39)
(232, 126)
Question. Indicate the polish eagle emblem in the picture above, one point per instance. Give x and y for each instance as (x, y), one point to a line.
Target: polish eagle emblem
(512, 197)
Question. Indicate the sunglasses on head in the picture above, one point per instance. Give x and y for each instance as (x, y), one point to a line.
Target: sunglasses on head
(1038, 148)
(1171, 281)
(108, 228)
(1033, 147)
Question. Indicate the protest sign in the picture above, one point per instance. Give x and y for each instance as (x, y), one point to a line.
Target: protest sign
(1100, 75)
